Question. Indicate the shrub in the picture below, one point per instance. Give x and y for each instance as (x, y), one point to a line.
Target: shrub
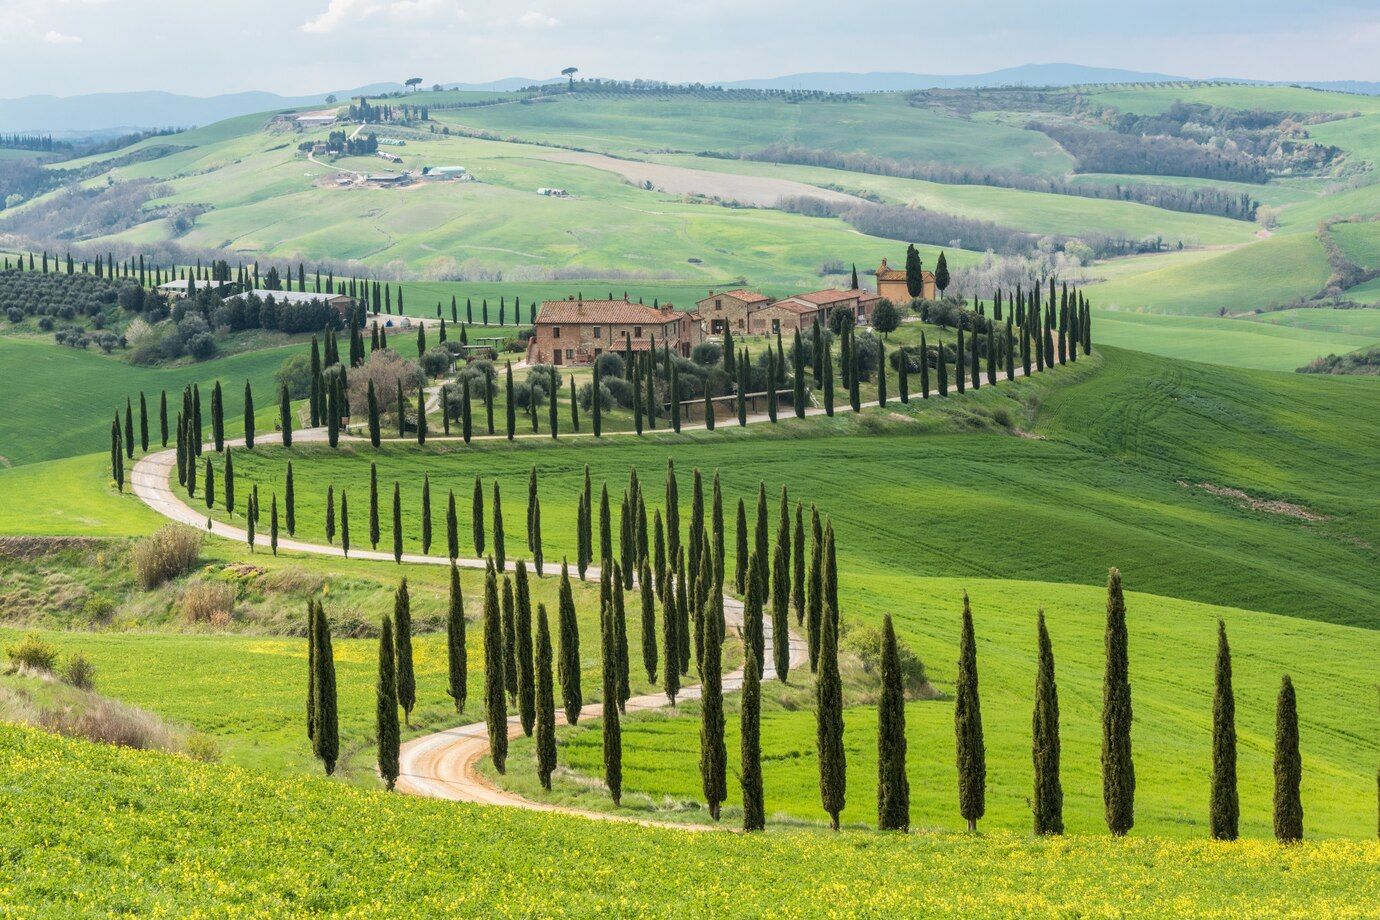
(109, 722)
(864, 640)
(208, 602)
(15, 315)
(201, 746)
(707, 354)
(610, 365)
(165, 555)
(97, 609)
(620, 389)
(586, 396)
(80, 672)
(32, 653)
(436, 361)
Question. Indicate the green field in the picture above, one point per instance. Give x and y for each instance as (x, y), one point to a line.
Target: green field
(194, 838)
(63, 399)
(1172, 648)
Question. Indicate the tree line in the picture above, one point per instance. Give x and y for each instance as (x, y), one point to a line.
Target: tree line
(682, 577)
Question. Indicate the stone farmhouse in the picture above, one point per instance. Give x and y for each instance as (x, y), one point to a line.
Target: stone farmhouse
(578, 331)
(891, 284)
(800, 311)
(728, 311)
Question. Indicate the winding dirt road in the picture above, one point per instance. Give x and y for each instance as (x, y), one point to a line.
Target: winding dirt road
(443, 764)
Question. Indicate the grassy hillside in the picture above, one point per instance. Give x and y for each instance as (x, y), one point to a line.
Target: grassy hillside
(266, 846)
(63, 399)
(1172, 647)
(1099, 487)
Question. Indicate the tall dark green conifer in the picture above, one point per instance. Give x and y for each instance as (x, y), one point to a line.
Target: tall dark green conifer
(970, 748)
(1224, 812)
(713, 755)
(457, 660)
(248, 417)
(1118, 770)
(402, 639)
(833, 763)
(1047, 800)
(326, 733)
(893, 788)
(397, 523)
(612, 729)
(477, 517)
(647, 595)
(750, 733)
(1288, 806)
(568, 667)
(495, 703)
(545, 746)
(386, 708)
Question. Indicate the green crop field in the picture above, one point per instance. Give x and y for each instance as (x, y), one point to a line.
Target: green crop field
(1172, 648)
(268, 846)
(63, 399)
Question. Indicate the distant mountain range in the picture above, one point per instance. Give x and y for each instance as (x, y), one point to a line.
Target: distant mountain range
(105, 114)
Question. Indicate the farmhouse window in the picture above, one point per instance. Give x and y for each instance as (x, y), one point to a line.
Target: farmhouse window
(555, 332)
(598, 332)
(637, 332)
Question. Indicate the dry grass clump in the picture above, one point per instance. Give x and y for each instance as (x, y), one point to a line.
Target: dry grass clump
(208, 602)
(165, 555)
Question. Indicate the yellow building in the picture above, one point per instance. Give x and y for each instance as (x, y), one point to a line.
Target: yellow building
(891, 284)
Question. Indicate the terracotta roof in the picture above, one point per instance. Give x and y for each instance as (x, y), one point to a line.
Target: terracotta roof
(825, 297)
(744, 295)
(797, 306)
(896, 274)
(865, 295)
(618, 312)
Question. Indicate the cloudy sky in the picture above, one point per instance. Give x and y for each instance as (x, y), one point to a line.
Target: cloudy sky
(203, 47)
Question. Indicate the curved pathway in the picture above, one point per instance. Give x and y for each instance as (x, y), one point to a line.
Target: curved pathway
(442, 764)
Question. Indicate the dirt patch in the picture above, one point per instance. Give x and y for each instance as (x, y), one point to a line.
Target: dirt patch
(29, 548)
(1268, 506)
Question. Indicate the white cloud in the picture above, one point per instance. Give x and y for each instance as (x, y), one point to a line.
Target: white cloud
(343, 13)
(534, 20)
(54, 37)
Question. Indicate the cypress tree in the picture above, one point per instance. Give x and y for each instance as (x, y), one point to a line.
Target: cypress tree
(477, 518)
(960, 363)
(143, 423)
(499, 557)
(814, 606)
(375, 432)
(829, 722)
(344, 523)
(893, 788)
(750, 728)
(713, 755)
(509, 624)
(568, 667)
(648, 598)
(495, 705)
(942, 373)
(163, 416)
(273, 524)
(613, 733)
(741, 571)
(374, 505)
(209, 487)
(1288, 806)
(452, 528)
(217, 416)
(620, 635)
(780, 615)
(672, 509)
(670, 641)
(386, 708)
(401, 406)
(605, 528)
(903, 376)
(659, 555)
(457, 684)
(545, 704)
(798, 566)
(397, 524)
(421, 416)
(974, 360)
(971, 751)
(828, 384)
(511, 408)
(311, 671)
(526, 677)
(285, 416)
(466, 411)
(925, 367)
(1047, 801)
(129, 429)
(289, 497)
(248, 417)
(585, 524)
(1118, 770)
(426, 514)
(402, 638)
(1224, 813)
(326, 732)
